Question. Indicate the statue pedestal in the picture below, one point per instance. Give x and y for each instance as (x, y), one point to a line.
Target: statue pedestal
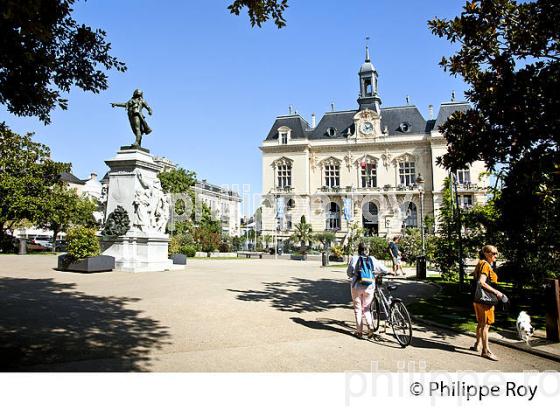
(134, 185)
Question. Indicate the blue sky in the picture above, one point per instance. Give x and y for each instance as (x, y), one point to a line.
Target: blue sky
(216, 84)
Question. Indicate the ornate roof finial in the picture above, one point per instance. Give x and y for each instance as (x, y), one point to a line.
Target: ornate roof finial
(367, 50)
(453, 95)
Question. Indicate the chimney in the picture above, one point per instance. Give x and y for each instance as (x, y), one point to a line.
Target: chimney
(431, 111)
(332, 106)
(453, 95)
(407, 100)
(313, 120)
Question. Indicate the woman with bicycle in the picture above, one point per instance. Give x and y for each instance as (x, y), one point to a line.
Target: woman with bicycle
(362, 291)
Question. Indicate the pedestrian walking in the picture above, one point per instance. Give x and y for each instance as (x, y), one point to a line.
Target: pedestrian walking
(396, 255)
(485, 277)
(361, 269)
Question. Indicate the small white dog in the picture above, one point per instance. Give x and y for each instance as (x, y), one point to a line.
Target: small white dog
(524, 328)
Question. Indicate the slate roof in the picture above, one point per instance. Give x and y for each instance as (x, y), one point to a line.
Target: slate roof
(71, 178)
(296, 123)
(341, 121)
(391, 117)
(446, 109)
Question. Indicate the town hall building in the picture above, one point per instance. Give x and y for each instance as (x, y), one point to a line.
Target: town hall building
(371, 167)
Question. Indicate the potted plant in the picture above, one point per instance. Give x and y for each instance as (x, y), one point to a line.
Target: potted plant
(84, 253)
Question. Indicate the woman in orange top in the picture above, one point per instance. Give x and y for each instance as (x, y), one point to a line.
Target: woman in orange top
(484, 273)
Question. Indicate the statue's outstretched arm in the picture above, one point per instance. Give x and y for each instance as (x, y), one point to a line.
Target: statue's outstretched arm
(147, 107)
(118, 105)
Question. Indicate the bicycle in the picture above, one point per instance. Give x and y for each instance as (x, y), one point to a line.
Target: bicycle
(396, 313)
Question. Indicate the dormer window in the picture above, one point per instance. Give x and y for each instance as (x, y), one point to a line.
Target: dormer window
(404, 127)
(284, 135)
(331, 132)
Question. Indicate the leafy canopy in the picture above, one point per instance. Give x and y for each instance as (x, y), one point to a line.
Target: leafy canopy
(261, 10)
(27, 177)
(44, 52)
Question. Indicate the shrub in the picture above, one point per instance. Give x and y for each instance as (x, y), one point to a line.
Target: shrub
(378, 247)
(189, 250)
(337, 251)
(82, 243)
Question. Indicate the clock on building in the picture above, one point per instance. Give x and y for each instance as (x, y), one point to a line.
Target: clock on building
(367, 127)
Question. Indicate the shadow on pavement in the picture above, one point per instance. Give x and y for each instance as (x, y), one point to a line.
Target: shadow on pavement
(43, 323)
(338, 326)
(301, 295)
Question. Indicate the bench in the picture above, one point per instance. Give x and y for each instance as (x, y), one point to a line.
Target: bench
(250, 254)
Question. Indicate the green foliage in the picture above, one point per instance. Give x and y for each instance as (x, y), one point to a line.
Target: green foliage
(261, 10)
(410, 245)
(446, 257)
(337, 251)
(206, 238)
(62, 207)
(237, 243)
(117, 224)
(355, 236)
(325, 238)
(27, 178)
(177, 181)
(509, 57)
(45, 52)
(182, 244)
(267, 240)
(82, 243)
(303, 234)
(378, 247)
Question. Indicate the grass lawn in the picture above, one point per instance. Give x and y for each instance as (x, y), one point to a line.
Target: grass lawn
(453, 307)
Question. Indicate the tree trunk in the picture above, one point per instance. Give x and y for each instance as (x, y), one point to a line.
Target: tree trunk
(55, 234)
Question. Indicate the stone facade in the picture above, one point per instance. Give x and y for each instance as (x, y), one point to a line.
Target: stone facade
(224, 204)
(360, 167)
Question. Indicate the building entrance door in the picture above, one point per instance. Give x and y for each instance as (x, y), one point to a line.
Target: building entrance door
(370, 219)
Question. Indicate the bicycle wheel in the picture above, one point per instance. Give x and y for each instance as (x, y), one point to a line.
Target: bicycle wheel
(375, 313)
(400, 322)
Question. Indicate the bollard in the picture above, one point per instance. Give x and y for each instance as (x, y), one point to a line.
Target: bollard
(421, 267)
(22, 247)
(324, 259)
(552, 305)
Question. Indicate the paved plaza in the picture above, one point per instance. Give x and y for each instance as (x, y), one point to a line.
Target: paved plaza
(215, 316)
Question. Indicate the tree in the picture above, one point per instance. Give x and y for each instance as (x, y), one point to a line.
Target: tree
(177, 181)
(27, 175)
(302, 233)
(325, 238)
(44, 52)
(510, 58)
(261, 10)
(63, 208)
(267, 239)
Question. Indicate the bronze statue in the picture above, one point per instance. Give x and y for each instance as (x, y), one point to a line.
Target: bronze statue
(137, 121)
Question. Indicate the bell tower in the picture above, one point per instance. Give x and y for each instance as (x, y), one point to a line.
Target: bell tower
(368, 86)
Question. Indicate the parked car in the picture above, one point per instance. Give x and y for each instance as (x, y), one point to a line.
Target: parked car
(33, 246)
(61, 245)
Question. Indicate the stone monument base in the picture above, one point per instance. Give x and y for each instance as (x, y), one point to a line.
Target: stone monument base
(138, 254)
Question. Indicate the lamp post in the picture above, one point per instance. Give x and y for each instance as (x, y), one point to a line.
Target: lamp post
(421, 261)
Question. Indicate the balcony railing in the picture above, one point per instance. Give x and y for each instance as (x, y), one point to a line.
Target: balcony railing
(283, 189)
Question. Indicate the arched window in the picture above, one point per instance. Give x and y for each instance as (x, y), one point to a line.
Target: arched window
(370, 218)
(333, 217)
(411, 220)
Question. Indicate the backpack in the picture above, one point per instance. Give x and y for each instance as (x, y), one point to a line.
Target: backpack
(364, 269)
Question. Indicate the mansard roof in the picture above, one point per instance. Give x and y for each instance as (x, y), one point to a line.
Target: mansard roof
(71, 178)
(448, 108)
(295, 122)
(339, 121)
(403, 120)
(399, 121)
